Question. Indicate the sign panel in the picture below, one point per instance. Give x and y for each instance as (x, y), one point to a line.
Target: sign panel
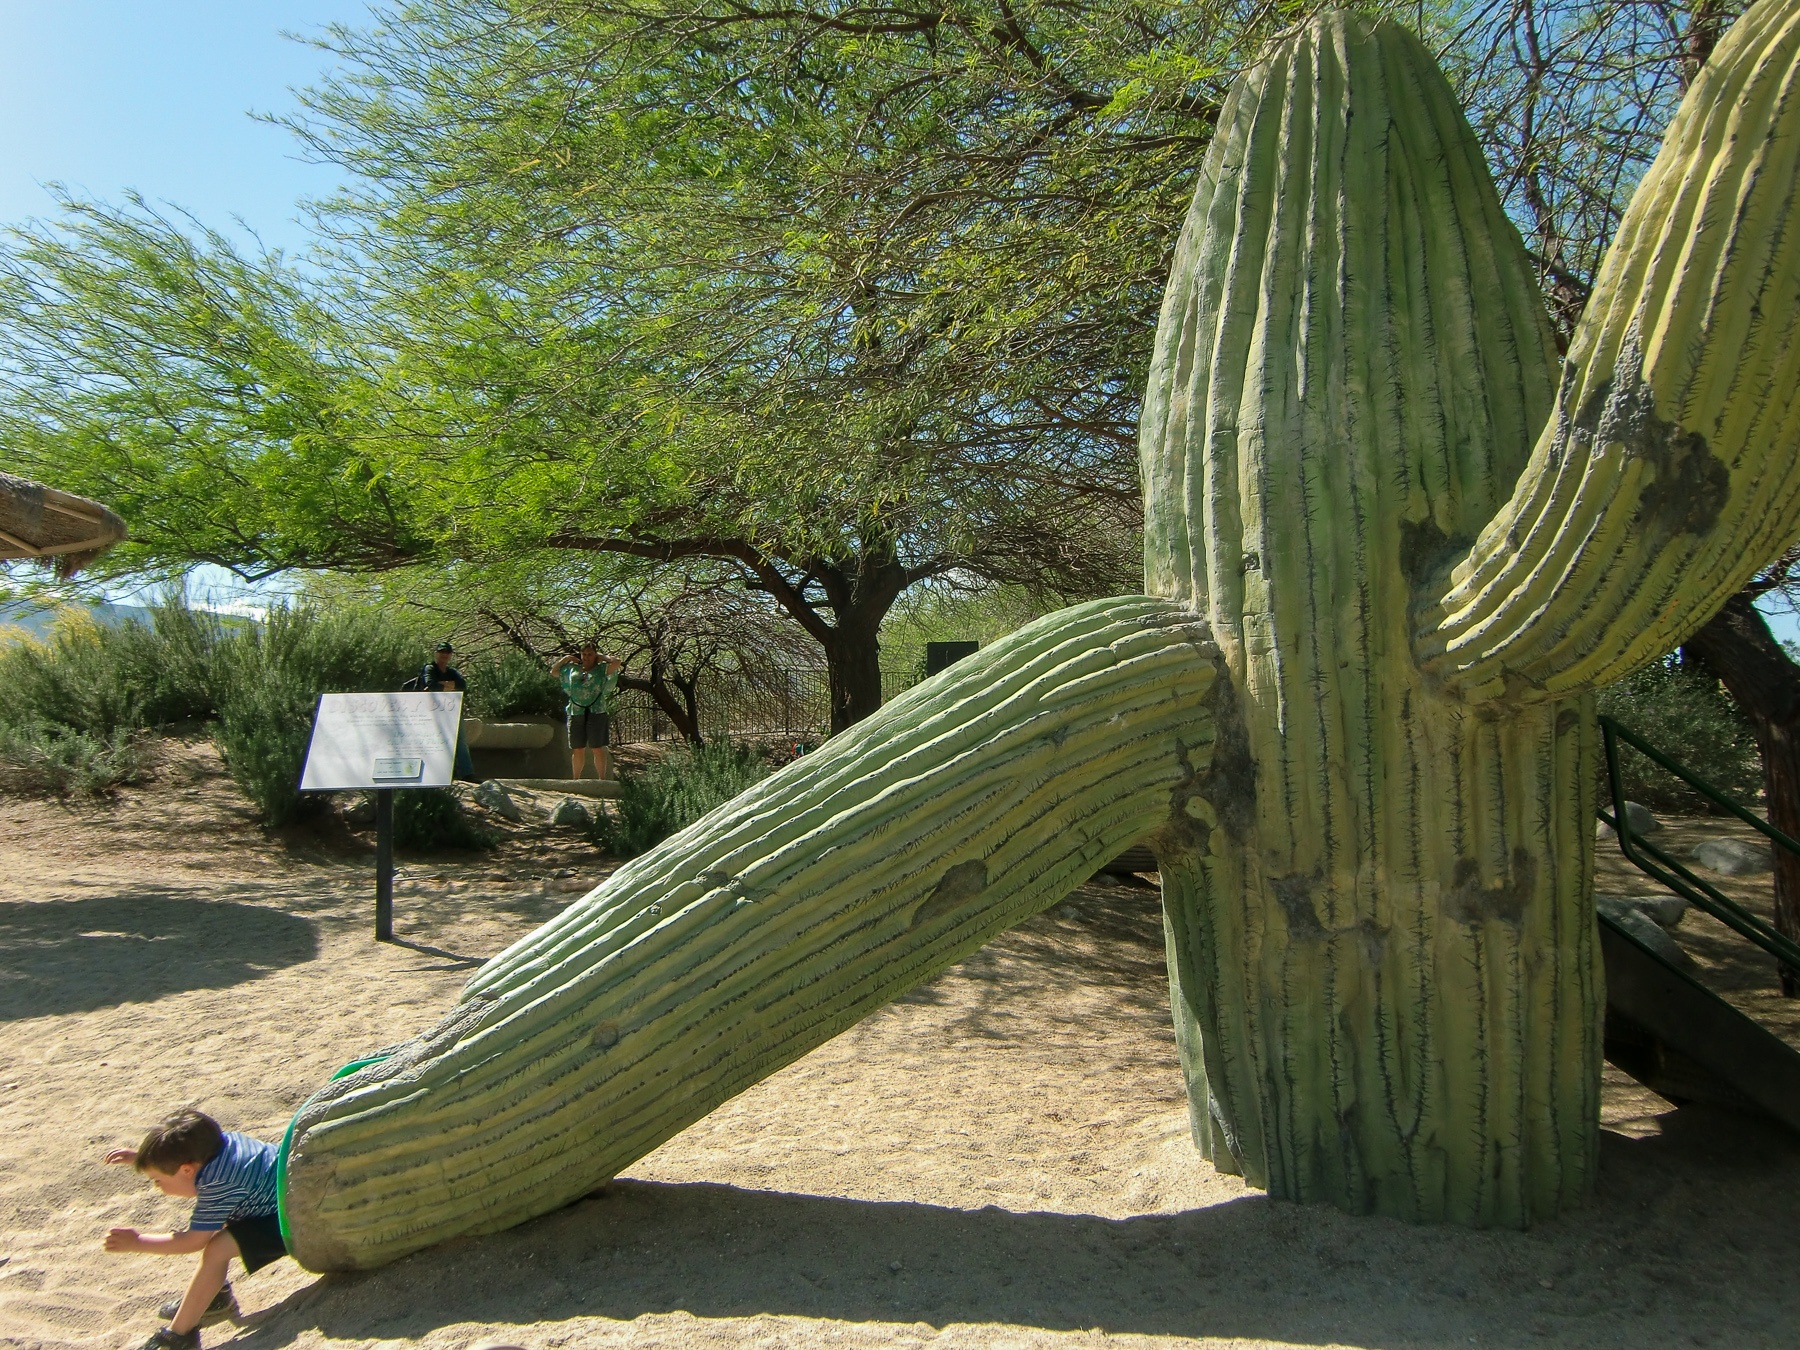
(382, 740)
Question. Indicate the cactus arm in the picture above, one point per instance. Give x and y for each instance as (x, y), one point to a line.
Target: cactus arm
(813, 899)
(1669, 471)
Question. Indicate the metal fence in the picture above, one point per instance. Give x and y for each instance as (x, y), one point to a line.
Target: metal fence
(797, 703)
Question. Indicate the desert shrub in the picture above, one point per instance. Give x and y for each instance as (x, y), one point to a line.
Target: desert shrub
(102, 678)
(1690, 718)
(83, 676)
(48, 757)
(433, 818)
(675, 792)
(187, 647)
(72, 704)
(268, 679)
(510, 685)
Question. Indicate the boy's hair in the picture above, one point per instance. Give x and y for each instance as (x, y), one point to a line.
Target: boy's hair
(186, 1136)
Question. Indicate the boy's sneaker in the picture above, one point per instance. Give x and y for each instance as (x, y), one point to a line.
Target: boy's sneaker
(170, 1339)
(223, 1306)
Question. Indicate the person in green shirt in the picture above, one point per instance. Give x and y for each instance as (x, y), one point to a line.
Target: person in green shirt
(589, 685)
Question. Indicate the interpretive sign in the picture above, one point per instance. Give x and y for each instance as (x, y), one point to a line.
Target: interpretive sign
(382, 741)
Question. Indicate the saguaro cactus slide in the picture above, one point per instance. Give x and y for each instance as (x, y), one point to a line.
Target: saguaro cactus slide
(1393, 544)
(818, 896)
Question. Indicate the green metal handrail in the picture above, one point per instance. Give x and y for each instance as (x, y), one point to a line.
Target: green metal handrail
(1658, 865)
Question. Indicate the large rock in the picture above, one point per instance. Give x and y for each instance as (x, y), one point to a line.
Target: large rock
(572, 813)
(1643, 928)
(494, 797)
(1664, 910)
(1638, 817)
(1733, 857)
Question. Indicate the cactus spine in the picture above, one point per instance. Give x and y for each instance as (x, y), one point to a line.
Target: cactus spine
(818, 896)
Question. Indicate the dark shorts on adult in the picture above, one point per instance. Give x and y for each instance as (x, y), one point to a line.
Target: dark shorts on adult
(588, 728)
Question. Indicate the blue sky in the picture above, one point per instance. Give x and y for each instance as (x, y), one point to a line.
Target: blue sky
(108, 96)
(156, 95)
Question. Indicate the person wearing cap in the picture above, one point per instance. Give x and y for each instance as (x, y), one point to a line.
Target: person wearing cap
(437, 676)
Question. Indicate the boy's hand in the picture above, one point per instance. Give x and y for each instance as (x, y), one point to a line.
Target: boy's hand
(123, 1240)
(122, 1155)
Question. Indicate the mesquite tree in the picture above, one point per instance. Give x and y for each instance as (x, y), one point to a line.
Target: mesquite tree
(1395, 550)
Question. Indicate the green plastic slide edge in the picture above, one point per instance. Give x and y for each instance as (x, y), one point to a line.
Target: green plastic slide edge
(287, 1140)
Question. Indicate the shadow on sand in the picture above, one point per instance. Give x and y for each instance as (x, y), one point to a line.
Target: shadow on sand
(1248, 1268)
(70, 956)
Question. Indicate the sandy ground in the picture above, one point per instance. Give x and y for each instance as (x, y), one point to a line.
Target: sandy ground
(999, 1160)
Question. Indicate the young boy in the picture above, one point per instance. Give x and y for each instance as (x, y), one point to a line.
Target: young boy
(232, 1179)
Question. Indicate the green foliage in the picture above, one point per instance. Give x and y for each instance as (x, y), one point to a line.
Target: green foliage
(433, 818)
(208, 396)
(511, 684)
(673, 793)
(48, 757)
(1690, 718)
(100, 679)
(268, 681)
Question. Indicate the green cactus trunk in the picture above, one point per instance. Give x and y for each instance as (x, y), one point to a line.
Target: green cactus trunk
(1387, 990)
(1394, 1005)
(733, 948)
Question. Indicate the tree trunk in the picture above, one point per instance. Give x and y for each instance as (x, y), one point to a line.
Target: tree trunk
(853, 666)
(683, 718)
(860, 595)
(1738, 648)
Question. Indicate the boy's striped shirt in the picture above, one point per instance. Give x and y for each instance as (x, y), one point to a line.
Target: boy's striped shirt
(238, 1183)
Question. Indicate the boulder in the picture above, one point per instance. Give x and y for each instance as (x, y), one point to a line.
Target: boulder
(1733, 857)
(1664, 910)
(571, 812)
(1638, 817)
(1644, 929)
(495, 798)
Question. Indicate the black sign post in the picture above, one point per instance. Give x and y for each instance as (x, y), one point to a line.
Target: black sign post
(943, 655)
(384, 864)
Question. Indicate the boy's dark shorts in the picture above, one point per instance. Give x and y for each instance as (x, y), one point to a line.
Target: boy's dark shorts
(588, 729)
(258, 1239)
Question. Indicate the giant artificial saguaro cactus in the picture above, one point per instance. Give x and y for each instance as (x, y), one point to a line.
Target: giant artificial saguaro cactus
(1387, 990)
(1353, 724)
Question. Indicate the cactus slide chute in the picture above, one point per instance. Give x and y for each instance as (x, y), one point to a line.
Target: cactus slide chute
(733, 948)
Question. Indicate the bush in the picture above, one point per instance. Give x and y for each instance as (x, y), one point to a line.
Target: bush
(511, 685)
(268, 679)
(433, 818)
(1692, 720)
(673, 793)
(74, 707)
(49, 757)
(99, 678)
